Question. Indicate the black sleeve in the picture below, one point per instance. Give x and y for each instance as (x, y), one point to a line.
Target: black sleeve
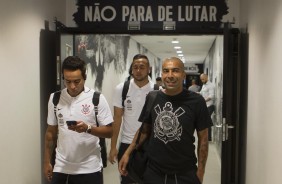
(146, 116)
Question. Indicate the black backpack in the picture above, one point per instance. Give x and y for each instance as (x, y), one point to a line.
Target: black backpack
(95, 101)
(126, 87)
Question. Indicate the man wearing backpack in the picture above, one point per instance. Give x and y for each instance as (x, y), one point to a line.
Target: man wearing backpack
(128, 100)
(73, 126)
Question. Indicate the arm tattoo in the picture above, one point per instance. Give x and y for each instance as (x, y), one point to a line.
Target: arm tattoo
(203, 148)
(203, 153)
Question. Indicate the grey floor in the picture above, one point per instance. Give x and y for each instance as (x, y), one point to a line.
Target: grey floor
(212, 174)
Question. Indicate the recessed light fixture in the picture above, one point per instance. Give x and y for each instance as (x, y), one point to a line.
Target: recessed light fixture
(174, 41)
(177, 47)
(180, 55)
(179, 51)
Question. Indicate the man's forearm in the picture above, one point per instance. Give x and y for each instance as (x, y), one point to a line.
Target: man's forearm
(144, 134)
(118, 114)
(49, 147)
(50, 142)
(203, 149)
(116, 129)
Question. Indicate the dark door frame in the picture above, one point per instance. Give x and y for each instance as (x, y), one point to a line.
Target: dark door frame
(233, 159)
(235, 73)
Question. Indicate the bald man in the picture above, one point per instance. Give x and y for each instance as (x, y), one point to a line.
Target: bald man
(194, 87)
(170, 117)
(207, 92)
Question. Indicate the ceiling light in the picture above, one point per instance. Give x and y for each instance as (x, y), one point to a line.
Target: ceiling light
(174, 40)
(177, 47)
(179, 51)
(180, 55)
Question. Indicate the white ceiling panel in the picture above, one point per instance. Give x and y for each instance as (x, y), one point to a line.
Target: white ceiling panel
(194, 48)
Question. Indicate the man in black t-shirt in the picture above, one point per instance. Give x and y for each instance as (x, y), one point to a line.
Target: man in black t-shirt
(170, 122)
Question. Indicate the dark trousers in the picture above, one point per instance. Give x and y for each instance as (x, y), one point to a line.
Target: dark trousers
(153, 176)
(211, 110)
(91, 178)
(122, 149)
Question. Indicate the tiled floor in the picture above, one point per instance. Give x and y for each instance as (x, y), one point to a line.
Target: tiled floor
(212, 175)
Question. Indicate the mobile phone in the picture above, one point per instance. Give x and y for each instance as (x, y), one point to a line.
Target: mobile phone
(70, 123)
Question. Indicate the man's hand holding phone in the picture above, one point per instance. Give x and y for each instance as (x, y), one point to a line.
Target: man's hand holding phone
(77, 126)
(71, 123)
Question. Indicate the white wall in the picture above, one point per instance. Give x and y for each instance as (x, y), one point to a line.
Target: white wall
(264, 148)
(20, 24)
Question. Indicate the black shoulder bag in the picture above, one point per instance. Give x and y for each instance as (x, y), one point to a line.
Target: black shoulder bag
(138, 159)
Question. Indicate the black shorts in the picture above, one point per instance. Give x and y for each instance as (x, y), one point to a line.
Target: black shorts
(61, 178)
(152, 176)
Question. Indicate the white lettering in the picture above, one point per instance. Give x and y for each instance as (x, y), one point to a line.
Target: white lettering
(213, 12)
(132, 15)
(161, 13)
(149, 14)
(168, 13)
(180, 18)
(88, 14)
(125, 12)
(165, 13)
(189, 13)
(197, 8)
(113, 12)
(98, 16)
(204, 14)
(197, 13)
(139, 13)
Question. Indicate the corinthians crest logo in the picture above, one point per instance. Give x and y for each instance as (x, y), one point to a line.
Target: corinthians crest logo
(85, 109)
(166, 124)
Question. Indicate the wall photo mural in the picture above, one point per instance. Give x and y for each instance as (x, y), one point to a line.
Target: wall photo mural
(108, 58)
(99, 51)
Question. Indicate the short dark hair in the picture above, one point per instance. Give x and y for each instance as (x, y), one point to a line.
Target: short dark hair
(74, 63)
(138, 56)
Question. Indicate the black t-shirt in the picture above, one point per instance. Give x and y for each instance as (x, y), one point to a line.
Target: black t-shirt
(174, 120)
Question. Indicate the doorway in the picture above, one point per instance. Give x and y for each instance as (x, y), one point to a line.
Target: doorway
(108, 57)
(104, 52)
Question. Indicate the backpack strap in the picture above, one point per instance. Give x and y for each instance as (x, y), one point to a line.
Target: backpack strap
(125, 90)
(102, 141)
(56, 99)
(95, 101)
(126, 87)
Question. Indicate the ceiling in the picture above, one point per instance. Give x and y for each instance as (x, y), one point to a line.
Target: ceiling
(194, 48)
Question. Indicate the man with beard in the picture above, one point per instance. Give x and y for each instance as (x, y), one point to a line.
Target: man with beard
(128, 110)
(75, 129)
(207, 92)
